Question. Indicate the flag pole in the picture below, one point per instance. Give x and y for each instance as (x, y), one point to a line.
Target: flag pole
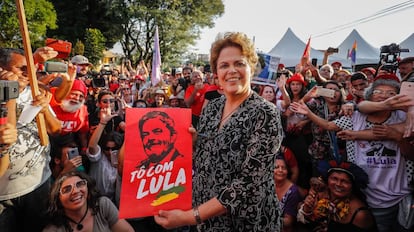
(31, 70)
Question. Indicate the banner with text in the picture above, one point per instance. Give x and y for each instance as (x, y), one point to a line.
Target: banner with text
(158, 162)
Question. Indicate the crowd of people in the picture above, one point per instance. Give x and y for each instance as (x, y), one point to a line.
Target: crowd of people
(321, 149)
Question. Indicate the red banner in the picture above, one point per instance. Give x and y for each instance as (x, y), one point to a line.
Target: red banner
(158, 162)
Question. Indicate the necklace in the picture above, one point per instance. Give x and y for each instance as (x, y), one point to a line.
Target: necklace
(223, 119)
(79, 225)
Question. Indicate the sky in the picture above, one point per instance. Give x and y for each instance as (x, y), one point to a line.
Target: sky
(267, 21)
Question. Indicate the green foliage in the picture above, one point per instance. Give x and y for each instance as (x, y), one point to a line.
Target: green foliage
(79, 48)
(94, 45)
(40, 16)
(179, 21)
(76, 17)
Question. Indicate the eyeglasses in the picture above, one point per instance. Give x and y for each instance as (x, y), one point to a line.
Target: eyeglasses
(110, 148)
(69, 188)
(106, 101)
(382, 92)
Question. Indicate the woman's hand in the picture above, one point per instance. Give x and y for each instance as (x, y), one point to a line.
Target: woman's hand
(105, 114)
(174, 218)
(71, 164)
(299, 108)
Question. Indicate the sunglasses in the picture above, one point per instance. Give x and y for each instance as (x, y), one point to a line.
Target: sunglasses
(110, 148)
(69, 188)
(106, 101)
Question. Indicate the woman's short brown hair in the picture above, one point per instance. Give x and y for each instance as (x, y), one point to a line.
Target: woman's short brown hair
(233, 39)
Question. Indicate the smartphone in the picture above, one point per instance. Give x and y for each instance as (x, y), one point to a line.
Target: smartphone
(56, 82)
(114, 158)
(324, 92)
(53, 67)
(73, 152)
(62, 47)
(315, 62)
(407, 88)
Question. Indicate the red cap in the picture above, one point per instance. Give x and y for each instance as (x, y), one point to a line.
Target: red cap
(79, 86)
(387, 76)
(280, 66)
(139, 77)
(297, 77)
(369, 69)
(336, 63)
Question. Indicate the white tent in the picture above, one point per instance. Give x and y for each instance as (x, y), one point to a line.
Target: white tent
(408, 43)
(290, 50)
(365, 53)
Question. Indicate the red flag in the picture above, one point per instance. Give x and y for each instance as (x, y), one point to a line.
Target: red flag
(306, 53)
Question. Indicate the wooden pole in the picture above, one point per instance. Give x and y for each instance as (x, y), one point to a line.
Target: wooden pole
(31, 70)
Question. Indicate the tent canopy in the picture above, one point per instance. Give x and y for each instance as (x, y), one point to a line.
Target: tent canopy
(290, 49)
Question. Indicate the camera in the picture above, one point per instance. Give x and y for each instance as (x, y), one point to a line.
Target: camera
(62, 47)
(8, 90)
(285, 72)
(52, 67)
(389, 55)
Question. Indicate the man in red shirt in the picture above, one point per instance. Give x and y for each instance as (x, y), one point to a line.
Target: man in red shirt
(73, 113)
(194, 95)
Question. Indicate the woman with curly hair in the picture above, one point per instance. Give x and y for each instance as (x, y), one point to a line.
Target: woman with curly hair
(76, 205)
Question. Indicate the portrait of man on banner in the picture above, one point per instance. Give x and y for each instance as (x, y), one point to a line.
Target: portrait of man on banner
(158, 162)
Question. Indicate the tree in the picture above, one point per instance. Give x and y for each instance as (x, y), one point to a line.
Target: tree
(79, 48)
(94, 45)
(75, 18)
(179, 21)
(40, 16)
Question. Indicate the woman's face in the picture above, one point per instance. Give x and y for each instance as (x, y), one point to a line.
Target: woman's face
(268, 93)
(325, 72)
(280, 172)
(340, 185)
(233, 71)
(73, 193)
(296, 87)
(337, 95)
(107, 101)
(383, 92)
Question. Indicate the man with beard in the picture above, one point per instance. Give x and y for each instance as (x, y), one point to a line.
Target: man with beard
(73, 114)
(158, 136)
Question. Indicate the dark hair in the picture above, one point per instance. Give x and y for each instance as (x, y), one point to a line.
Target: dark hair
(112, 136)
(56, 211)
(5, 55)
(359, 76)
(138, 101)
(103, 93)
(162, 116)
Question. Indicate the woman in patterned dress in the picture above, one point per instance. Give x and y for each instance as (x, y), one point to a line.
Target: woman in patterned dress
(239, 135)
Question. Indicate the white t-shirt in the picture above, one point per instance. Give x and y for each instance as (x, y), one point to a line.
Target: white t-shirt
(29, 161)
